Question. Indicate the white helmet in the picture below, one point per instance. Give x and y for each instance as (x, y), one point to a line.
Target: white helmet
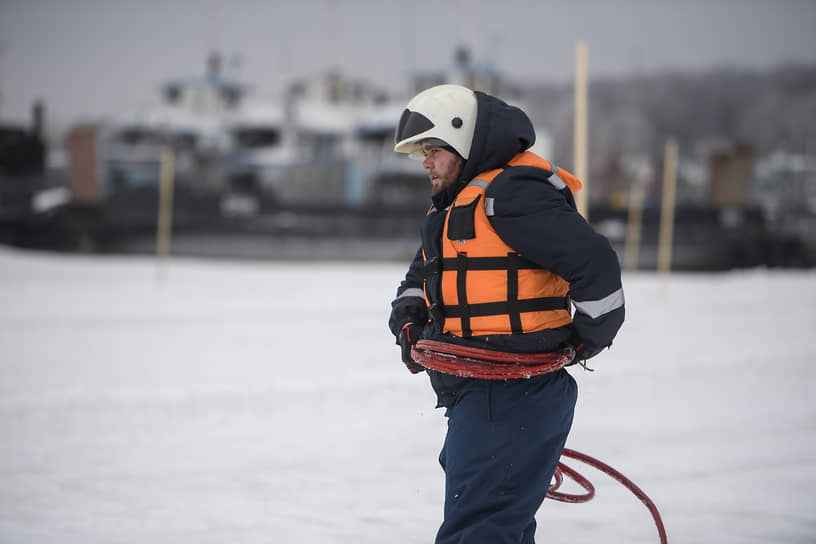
(444, 112)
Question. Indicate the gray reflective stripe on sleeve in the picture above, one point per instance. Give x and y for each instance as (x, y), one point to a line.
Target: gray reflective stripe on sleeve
(479, 183)
(412, 292)
(489, 206)
(597, 308)
(556, 180)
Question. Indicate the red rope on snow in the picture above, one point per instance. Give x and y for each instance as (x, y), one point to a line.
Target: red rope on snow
(561, 469)
(473, 362)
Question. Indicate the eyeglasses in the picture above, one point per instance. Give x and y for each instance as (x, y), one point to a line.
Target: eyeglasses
(421, 153)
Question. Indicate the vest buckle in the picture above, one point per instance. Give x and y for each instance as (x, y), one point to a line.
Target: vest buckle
(432, 266)
(437, 312)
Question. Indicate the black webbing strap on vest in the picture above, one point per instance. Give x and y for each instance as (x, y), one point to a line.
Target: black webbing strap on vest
(461, 292)
(512, 291)
(513, 307)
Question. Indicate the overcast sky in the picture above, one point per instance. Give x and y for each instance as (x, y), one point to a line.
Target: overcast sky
(93, 58)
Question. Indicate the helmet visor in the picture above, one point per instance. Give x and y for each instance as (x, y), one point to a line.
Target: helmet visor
(411, 124)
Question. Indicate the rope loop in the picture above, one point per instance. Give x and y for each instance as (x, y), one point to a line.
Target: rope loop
(562, 469)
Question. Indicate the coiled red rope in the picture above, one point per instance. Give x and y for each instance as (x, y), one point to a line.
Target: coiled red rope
(472, 362)
(469, 362)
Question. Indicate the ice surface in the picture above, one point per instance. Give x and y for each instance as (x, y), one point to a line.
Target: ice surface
(265, 402)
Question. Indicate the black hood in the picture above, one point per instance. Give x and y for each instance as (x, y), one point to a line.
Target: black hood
(502, 131)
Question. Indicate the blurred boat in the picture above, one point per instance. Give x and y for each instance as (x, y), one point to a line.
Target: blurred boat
(327, 143)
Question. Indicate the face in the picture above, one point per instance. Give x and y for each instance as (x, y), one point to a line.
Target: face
(443, 167)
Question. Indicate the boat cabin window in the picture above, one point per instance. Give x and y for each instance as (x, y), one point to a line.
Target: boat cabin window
(257, 137)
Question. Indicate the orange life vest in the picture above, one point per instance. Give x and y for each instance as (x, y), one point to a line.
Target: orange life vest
(487, 287)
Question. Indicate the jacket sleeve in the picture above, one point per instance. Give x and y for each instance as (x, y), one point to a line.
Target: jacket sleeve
(541, 222)
(409, 305)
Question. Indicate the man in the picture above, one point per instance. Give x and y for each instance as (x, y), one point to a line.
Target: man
(503, 254)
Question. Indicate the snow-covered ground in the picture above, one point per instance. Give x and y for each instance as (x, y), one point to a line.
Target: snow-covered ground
(265, 402)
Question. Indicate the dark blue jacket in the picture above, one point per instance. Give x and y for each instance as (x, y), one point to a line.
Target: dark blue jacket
(536, 219)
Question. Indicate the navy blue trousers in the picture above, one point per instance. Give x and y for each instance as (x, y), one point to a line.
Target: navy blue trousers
(503, 443)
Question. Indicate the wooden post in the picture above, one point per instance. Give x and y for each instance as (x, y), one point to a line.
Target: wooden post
(580, 128)
(664, 249)
(164, 223)
(633, 228)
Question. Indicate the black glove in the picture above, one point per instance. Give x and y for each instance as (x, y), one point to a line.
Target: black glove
(408, 336)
